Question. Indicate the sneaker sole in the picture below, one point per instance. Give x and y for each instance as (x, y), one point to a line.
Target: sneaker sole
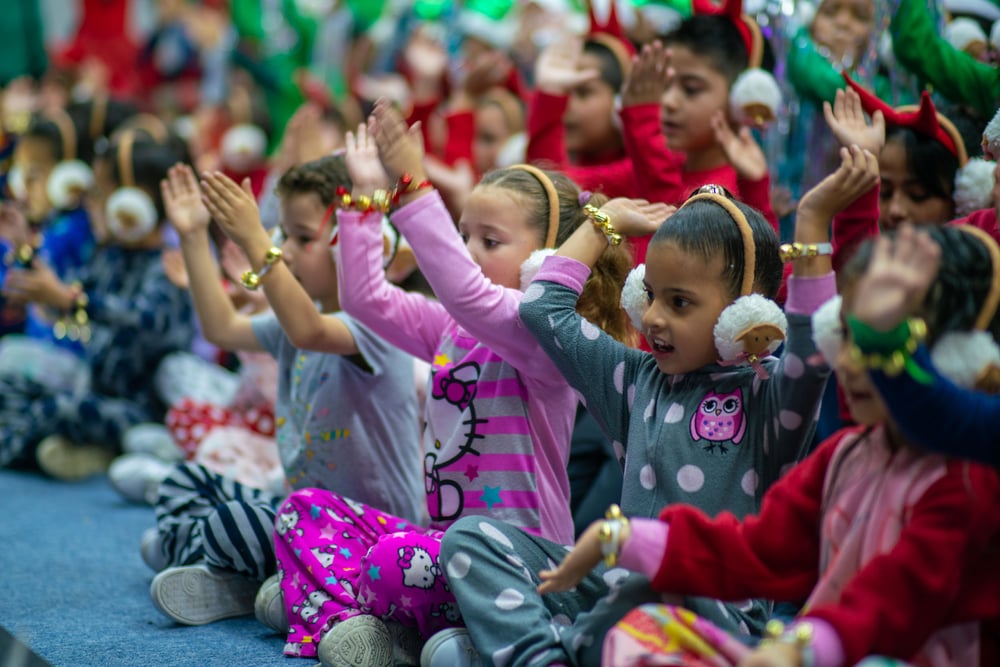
(361, 643)
(195, 596)
(269, 606)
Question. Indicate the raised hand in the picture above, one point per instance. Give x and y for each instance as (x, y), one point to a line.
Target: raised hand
(741, 149)
(856, 175)
(485, 71)
(899, 274)
(557, 70)
(362, 161)
(649, 76)
(636, 217)
(235, 209)
(182, 201)
(400, 148)
(846, 119)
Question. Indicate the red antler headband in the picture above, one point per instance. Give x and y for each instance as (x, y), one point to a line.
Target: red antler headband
(611, 35)
(753, 40)
(923, 119)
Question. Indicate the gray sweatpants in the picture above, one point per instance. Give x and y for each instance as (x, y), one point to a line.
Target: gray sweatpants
(492, 569)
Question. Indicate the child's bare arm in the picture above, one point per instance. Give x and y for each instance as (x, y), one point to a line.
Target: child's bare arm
(221, 324)
(235, 209)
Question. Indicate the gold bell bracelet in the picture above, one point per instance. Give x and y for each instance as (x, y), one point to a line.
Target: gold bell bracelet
(790, 251)
(609, 533)
(251, 279)
(889, 351)
(799, 635)
(602, 221)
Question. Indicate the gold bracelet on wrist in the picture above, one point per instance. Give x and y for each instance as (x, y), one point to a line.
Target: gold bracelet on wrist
(251, 279)
(74, 325)
(602, 221)
(610, 534)
(790, 251)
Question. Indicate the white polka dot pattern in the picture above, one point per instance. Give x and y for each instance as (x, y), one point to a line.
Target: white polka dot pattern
(690, 478)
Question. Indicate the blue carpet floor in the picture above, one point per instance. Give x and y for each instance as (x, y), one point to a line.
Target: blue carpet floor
(74, 589)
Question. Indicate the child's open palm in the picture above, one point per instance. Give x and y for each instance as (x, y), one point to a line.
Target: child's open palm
(846, 119)
(182, 201)
(649, 76)
(636, 217)
(363, 165)
(741, 149)
(233, 207)
(857, 174)
(557, 69)
(400, 148)
(898, 277)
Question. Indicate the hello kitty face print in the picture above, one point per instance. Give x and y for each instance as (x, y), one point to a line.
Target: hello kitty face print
(719, 420)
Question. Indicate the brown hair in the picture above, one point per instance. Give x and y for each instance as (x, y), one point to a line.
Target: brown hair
(322, 177)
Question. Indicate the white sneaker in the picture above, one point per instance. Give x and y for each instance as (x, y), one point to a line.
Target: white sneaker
(60, 458)
(137, 477)
(151, 549)
(451, 647)
(269, 605)
(198, 594)
(359, 641)
(153, 439)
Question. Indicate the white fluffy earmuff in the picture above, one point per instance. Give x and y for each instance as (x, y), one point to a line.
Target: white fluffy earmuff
(68, 182)
(131, 214)
(242, 147)
(974, 186)
(755, 98)
(15, 183)
(530, 266)
(634, 298)
(828, 330)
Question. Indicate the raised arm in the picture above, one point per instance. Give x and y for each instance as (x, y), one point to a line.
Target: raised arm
(235, 209)
(220, 323)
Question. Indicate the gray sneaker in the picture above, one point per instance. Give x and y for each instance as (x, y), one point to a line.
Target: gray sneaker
(269, 605)
(198, 594)
(359, 641)
(151, 548)
(451, 647)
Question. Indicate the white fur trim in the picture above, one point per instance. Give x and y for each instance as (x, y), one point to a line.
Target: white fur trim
(982, 8)
(530, 267)
(962, 356)
(827, 329)
(514, 151)
(67, 183)
(995, 35)
(974, 186)
(131, 214)
(242, 146)
(15, 183)
(742, 314)
(755, 88)
(634, 299)
(962, 32)
(991, 136)
(185, 127)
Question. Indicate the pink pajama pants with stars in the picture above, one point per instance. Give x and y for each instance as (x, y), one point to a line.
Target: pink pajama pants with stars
(338, 558)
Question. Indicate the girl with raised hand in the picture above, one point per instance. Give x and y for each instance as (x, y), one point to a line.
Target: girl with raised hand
(499, 415)
(893, 547)
(706, 418)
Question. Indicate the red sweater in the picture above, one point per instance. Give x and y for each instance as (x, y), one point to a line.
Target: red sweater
(985, 220)
(941, 571)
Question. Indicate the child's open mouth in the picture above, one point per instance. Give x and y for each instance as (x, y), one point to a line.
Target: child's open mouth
(660, 349)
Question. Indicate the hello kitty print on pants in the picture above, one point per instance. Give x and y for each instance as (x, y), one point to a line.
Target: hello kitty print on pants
(339, 558)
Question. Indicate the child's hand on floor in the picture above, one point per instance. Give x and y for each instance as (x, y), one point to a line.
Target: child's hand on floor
(649, 77)
(741, 149)
(899, 274)
(235, 209)
(182, 201)
(361, 157)
(557, 69)
(857, 174)
(846, 119)
(400, 148)
(636, 217)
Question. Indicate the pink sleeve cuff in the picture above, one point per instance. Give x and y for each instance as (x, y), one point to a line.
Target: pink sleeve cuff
(806, 294)
(565, 271)
(643, 551)
(828, 650)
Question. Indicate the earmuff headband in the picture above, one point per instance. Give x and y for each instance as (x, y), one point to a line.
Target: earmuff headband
(98, 115)
(553, 196)
(989, 308)
(125, 143)
(67, 132)
(749, 247)
(151, 125)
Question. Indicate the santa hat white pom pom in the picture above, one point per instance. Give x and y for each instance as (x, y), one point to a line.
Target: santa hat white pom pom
(974, 186)
(131, 214)
(755, 98)
(991, 137)
(963, 32)
(634, 295)
(963, 356)
(827, 330)
(743, 314)
(242, 146)
(67, 183)
(530, 267)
